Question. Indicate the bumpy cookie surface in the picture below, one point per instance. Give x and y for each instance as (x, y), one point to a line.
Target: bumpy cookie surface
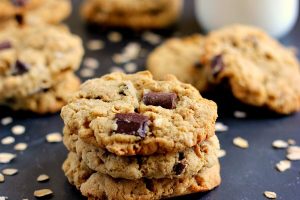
(181, 164)
(36, 10)
(259, 70)
(136, 115)
(100, 186)
(48, 100)
(31, 55)
(132, 13)
(180, 57)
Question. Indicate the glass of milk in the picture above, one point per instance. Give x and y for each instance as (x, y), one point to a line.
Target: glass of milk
(277, 17)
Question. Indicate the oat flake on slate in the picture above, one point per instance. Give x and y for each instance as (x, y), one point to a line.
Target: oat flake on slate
(91, 63)
(54, 137)
(10, 171)
(43, 178)
(94, 45)
(283, 165)
(42, 192)
(20, 146)
(18, 130)
(2, 179)
(280, 144)
(270, 195)
(114, 36)
(7, 140)
(240, 142)
(6, 120)
(239, 114)
(220, 127)
(221, 153)
(6, 157)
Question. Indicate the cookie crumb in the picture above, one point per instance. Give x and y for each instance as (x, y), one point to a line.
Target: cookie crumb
(42, 192)
(220, 127)
(239, 114)
(54, 137)
(221, 153)
(293, 153)
(87, 73)
(18, 130)
(91, 63)
(43, 178)
(114, 36)
(10, 171)
(151, 38)
(8, 140)
(20, 146)
(240, 142)
(6, 120)
(291, 141)
(270, 195)
(2, 179)
(283, 165)
(95, 45)
(280, 144)
(130, 67)
(6, 157)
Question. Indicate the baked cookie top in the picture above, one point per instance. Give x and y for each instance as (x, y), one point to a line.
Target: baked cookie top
(36, 10)
(180, 57)
(31, 55)
(171, 165)
(259, 70)
(100, 186)
(132, 13)
(136, 115)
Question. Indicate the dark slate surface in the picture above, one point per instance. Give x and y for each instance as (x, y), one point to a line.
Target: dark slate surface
(246, 173)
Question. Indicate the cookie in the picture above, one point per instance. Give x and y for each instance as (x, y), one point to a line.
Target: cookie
(136, 14)
(35, 10)
(31, 56)
(180, 57)
(100, 186)
(259, 70)
(137, 115)
(48, 100)
(180, 164)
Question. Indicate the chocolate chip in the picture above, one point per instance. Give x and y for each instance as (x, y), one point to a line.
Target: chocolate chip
(20, 19)
(217, 65)
(131, 124)
(178, 168)
(149, 184)
(19, 3)
(165, 100)
(20, 68)
(181, 156)
(5, 45)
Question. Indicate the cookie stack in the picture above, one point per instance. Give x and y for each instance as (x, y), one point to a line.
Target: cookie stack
(131, 137)
(37, 62)
(135, 14)
(258, 69)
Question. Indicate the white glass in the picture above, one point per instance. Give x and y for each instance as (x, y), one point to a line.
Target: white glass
(277, 17)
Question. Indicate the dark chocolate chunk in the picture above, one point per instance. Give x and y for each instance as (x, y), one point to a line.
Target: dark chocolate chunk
(181, 156)
(20, 19)
(178, 168)
(19, 3)
(5, 45)
(165, 100)
(149, 184)
(217, 65)
(20, 68)
(132, 124)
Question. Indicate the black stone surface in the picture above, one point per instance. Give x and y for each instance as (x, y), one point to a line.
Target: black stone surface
(246, 173)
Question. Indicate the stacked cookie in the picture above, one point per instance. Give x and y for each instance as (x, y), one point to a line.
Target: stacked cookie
(36, 11)
(37, 66)
(258, 69)
(136, 14)
(131, 137)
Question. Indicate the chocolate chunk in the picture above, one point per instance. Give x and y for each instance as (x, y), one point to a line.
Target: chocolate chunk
(20, 68)
(181, 156)
(19, 3)
(132, 124)
(217, 65)
(165, 100)
(178, 168)
(5, 45)
(149, 184)
(20, 19)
